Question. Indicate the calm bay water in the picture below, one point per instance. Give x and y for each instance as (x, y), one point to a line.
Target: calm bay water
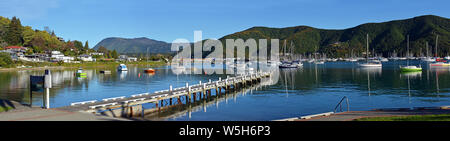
(308, 90)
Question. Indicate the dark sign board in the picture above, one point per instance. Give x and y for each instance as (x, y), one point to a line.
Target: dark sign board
(37, 83)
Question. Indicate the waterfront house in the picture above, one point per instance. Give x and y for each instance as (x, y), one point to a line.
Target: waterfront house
(85, 58)
(131, 59)
(16, 49)
(96, 53)
(57, 56)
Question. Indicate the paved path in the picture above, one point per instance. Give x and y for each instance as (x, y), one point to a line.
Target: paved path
(26, 113)
(52, 115)
(352, 115)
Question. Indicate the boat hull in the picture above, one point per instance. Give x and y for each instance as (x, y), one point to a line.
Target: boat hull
(410, 69)
(370, 65)
(149, 71)
(439, 65)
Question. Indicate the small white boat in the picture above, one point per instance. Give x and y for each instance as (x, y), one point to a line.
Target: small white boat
(288, 66)
(371, 64)
(319, 62)
(384, 60)
(353, 60)
(122, 67)
(428, 59)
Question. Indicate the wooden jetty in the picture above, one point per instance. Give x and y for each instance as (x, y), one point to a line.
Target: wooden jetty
(133, 106)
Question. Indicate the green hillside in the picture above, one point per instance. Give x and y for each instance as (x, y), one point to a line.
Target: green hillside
(385, 37)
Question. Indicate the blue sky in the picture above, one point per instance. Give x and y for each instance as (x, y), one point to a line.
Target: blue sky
(167, 20)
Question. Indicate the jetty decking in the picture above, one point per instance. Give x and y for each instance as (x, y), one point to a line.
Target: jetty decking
(128, 106)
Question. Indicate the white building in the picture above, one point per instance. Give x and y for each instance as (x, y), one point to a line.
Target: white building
(96, 53)
(57, 56)
(131, 59)
(85, 58)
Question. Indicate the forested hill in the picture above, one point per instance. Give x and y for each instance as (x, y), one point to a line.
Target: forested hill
(384, 38)
(135, 45)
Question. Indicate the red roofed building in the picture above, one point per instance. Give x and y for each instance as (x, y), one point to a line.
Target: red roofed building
(16, 48)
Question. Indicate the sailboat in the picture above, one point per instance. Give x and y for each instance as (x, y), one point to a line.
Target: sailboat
(295, 61)
(287, 63)
(428, 58)
(439, 62)
(369, 63)
(148, 69)
(409, 68)
(80, 73)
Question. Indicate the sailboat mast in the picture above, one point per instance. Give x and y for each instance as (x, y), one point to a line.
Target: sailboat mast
(436, 46)
(407, 50)
(426, 44)
(367, 50)
(284, 54)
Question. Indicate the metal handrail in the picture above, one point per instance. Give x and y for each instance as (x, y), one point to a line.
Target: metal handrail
(340, 104)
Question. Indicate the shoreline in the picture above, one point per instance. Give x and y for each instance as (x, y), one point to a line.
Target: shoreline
(84, 65)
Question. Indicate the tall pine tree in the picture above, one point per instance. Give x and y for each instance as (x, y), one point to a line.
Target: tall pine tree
(86, 46)
(14, 32)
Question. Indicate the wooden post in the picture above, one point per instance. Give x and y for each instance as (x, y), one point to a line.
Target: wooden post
(195, 95)
(204, 91)
(131, 111)
(157, 106)
(143, 111)
(188, 97)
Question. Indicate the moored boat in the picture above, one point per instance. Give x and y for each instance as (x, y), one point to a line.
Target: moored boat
(440, 64)
(370, 63)
(122, 67)
(410, 68)
(149, 70)
(80, 73)
(105, 71)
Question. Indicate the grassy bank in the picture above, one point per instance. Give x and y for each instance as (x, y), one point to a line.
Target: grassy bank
(7, 108)
(441, 117)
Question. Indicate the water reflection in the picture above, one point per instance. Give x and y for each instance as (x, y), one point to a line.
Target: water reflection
(289, 92)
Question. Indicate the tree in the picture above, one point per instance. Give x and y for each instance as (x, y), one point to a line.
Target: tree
(78, 45)
(86, 46)
(5, 60)
(53, 34)
(102, 50)
(28, 35)
(14, 32)
(38, 42)
(29, 51)
(114, 54)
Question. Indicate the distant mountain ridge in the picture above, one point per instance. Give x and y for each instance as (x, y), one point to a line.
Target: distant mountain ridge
(134, 45)
(384, 38)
